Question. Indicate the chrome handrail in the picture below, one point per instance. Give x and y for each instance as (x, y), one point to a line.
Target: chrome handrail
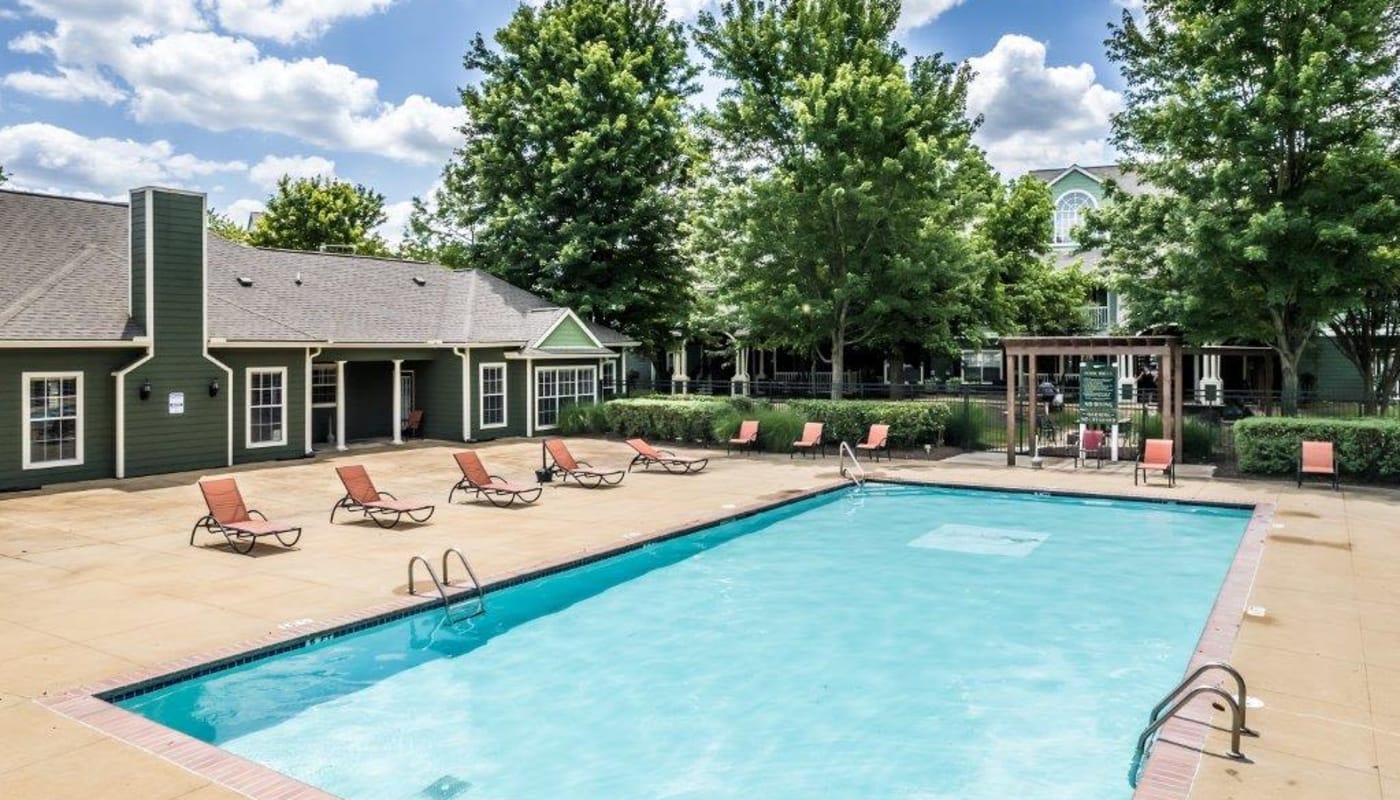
(480, 592)
(1240, 697)
(844, 453)
(1237, 727)
(442, 591)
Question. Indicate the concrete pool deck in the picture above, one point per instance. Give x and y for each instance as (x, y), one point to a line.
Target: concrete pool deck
(98, 582)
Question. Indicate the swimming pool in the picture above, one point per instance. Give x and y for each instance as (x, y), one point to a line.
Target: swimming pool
(896, 641)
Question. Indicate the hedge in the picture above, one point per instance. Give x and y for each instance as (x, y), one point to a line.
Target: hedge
(1199, 437)
(912, 423)
(778, 427)
(665, 420)
(1365, 448)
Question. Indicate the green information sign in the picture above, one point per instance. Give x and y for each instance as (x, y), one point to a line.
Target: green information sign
(1098, 394)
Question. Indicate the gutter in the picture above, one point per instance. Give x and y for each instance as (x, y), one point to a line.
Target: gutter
(120, 375)
(465, 354)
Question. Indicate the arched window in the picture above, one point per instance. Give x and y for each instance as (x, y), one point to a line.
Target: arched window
(1069, 214)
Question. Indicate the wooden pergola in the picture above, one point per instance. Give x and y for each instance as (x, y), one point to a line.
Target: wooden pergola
(1167, 349)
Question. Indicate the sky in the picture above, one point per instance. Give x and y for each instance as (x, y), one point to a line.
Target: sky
(224, 96)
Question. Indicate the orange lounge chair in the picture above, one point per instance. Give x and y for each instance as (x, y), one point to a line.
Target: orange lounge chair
(1091, 445)
(230, 517)
(1317, 458)
(876, 440)
(648, 455)
(382, 507)
(476, 479)
(561, 462)
(1156, 457)
(747, 438)
(811, 440)
(413, 426)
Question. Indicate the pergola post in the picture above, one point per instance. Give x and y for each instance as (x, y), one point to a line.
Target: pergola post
(1178, 406)
(1012, 363)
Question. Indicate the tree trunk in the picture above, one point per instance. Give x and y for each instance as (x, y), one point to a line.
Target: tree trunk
(1289, 362)
(838, 363)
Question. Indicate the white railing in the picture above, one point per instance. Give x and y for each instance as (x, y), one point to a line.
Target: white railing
(1100, 317)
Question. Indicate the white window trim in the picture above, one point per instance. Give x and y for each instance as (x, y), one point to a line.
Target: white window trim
(334, 370)
(1055, 217)
(248, 407)
(505, 395)
(26, 378)
(593, 368)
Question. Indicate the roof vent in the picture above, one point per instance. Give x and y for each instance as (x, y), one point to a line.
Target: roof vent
(298, 279)
(244, 280)
(420, 280)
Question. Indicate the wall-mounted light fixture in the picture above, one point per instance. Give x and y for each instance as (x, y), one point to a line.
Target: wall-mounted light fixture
(145, 390)
(214, 388)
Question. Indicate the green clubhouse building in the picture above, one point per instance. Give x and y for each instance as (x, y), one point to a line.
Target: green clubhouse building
(133, 342)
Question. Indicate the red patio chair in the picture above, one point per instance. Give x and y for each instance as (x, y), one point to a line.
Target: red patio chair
(648, 455)
(231, 518)
(1091, 445)
(1156, 457)
(877, 440)
(747, 438)
(382, 507)
(476, 479)
(1317, 458)
(811, 440)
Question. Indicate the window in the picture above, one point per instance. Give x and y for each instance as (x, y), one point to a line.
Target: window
(53, 420)
(981, 366)
(493, 395)
(267, 406)
(323, 385)
(557, 388)
(1069, 214)
(610, 376)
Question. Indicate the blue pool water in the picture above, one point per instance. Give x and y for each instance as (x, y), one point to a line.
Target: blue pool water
(900, 642)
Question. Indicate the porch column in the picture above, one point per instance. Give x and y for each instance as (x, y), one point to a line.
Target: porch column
(1209, 388)
(340, 405)
(1127, 381)
(1011, 368)
(398, 401)
(679, 374)
(739, 385)
(529, 396)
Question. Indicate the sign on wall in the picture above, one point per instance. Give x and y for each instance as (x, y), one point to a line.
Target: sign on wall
(177, 402)
(1098, 394)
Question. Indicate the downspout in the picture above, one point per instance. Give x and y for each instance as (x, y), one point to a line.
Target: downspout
(465, 354)
(120, 375)
(204, 340)
(307, 406)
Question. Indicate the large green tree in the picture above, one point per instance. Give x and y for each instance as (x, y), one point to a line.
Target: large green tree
(1260, 126)
(855, 178)
(321, 214)
(1023, 290)
(221, 225)
(577, 149)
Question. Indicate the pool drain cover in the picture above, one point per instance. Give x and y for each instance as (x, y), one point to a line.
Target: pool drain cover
(445, 788)
(977, 540)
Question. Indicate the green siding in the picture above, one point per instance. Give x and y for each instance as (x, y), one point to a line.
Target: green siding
(294, 361)
(137, 274)
(99, 412)
(369, 400)
(568, 334)
(439, 389)
(156, 440)
(1077, 181)
(515, 394)
(1335, 376)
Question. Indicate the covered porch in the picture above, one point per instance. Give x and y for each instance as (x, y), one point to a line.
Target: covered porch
(383, 396)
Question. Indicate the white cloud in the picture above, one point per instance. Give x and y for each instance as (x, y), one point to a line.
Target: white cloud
(163, 59)
(917, 13)
(1038, 116)
(290, 20)
(266, 173)
(396, 219)
(239, 210)
(43, 156)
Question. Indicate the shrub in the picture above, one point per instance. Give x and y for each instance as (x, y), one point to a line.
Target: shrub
(912, 423)
(965, 427)
(582, 419)
(664, 420)
(1365, 448)
(1199, 437)
(778, 428)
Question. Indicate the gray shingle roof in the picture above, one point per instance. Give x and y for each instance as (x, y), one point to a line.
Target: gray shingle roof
(1127, 181)
(63, 269)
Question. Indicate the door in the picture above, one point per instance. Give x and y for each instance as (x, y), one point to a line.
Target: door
(407, 401)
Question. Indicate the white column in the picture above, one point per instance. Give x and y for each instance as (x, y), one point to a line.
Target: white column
(398, 401)
(680, 376)
(340, 405)
(529, 396)
(739, 384)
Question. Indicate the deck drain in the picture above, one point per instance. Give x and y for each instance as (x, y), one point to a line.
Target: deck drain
(445, 788)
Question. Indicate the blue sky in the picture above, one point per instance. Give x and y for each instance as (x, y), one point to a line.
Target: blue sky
(99, 96)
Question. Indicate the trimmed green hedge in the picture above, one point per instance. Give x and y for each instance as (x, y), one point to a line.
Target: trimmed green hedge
(1365, 448)
(778, 427)
(912, 423)
(665, 420)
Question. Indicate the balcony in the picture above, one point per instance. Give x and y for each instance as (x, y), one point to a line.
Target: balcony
(1100, 318)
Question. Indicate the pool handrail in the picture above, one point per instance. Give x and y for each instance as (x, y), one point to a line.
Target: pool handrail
(1179, 700)
(847, 452)
(442, 591)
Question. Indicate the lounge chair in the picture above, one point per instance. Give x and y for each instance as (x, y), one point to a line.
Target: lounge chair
(876, 440)
(562, 462)
(413, 427)
(476, 479)
(811, 440)
(648, 455)
(1317, 458)
(1156, 457)
(230, 517)
(385, 509)
(1091, 445)
(747, 438)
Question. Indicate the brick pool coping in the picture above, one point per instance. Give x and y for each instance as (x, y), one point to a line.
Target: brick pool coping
(1167, 774)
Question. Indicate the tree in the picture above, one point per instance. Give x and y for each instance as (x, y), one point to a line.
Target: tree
(1368, 334)
(1023, 291)
(221, 225)
(321, 213)
(576, 149)
(3, 176)
(1260, 124)
(856, 176)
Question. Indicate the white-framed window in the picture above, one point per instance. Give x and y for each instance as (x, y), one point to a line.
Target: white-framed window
(981, 366)
(267, 406)
(53, 419)
(610, 376)
(492, 378)
(1069, 214)
(323, 385)
(557, 388)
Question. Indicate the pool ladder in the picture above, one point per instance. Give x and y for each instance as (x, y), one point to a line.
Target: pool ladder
(1177, 700)
(446, 581)
(856, 473)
